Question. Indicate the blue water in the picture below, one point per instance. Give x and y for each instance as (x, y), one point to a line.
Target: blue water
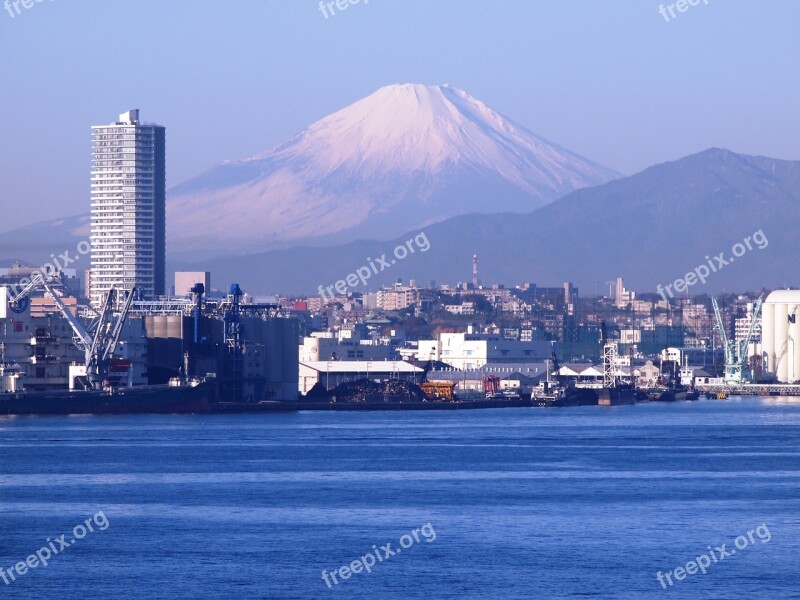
(524, 503)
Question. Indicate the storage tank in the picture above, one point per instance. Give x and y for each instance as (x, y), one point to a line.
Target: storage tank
(781, 337)
(768, 336)
(781, 341)
(175, 326)
(794, 339)
(159, 327)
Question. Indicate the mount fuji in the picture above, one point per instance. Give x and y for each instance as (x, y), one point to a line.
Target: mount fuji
(402, 158)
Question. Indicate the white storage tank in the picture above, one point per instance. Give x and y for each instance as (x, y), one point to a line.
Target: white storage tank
(780, 327)
(768, 336)
(781, 340)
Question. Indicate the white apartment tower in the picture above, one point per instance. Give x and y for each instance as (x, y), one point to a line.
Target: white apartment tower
(128, 208)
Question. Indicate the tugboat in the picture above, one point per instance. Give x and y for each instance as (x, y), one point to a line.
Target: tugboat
(549, 394)
(671, 386)
(686, 376)
(668, 393)
(557, 393)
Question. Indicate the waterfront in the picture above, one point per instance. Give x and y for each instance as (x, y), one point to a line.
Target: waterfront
(525, 503)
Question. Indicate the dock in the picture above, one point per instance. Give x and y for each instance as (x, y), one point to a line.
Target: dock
(748, 389)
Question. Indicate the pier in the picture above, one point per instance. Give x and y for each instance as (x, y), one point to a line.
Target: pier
(749, 389)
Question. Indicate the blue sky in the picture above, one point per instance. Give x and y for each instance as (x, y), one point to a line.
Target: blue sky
(611, 80)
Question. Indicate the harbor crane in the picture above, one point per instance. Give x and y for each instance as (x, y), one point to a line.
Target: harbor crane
(98, 346)
(735, 352)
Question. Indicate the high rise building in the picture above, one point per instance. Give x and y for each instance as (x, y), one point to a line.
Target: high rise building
(622, 297)
(128, 208)
(185, 281)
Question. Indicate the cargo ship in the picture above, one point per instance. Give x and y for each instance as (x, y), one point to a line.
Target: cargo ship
(186, 398)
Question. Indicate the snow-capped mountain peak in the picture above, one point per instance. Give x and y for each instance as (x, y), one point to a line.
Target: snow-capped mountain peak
(403, 156)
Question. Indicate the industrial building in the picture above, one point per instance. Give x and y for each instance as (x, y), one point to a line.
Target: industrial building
(695, 357)
(473, 350)
(34, 351)
(346, 344)
(519, 377)
(780, 335)
(128, 183)
(651, 339)
(37, 352)
(186, 280)
(335, 372)
(248, 351)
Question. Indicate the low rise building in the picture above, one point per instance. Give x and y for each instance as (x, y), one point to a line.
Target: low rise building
(397, 298)
(466, 308)
(474, 350)
(332, 373)
(347, 344)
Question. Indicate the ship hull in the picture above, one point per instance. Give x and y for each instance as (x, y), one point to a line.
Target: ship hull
(669, 395)
(413, 405)
(571, 397)
(144, 399)
(616, 396)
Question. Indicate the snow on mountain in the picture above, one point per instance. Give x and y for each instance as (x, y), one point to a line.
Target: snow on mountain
(401, 158)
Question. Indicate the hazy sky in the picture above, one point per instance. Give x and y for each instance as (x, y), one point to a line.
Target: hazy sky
(612, 80)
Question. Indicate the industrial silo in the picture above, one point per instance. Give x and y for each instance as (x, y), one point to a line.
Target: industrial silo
(768, 337)
(175, 326)
(781, 334)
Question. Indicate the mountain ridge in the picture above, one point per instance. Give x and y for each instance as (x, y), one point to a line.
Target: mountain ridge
(651, 228)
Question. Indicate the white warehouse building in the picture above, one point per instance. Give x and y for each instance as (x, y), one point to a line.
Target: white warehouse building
(474, 350)
(780, 335)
